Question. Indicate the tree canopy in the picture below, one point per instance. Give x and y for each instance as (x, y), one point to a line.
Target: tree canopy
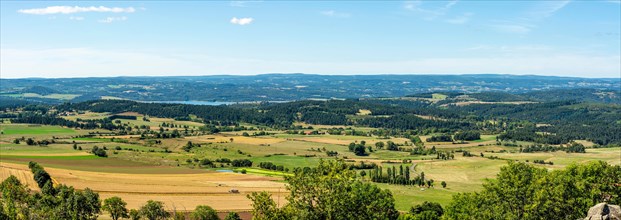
(523, 191)
(328, 191)
(116, 207)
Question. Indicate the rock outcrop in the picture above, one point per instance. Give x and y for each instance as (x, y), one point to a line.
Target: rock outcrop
(604, 211)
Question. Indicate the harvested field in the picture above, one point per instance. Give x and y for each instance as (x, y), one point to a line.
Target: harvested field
(178, 191)
(339, 139)
(449, 145)
(236, 139)
(97, 164)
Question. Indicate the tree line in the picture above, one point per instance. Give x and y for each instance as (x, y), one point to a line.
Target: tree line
(400, 176)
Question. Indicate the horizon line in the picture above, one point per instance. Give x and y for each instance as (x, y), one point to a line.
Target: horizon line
(317, 74)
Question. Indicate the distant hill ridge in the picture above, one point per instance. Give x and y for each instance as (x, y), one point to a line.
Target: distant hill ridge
(290, 87)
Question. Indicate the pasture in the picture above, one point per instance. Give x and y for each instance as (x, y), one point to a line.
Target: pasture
(137, 169)
(86, 116)
(24, 129)
(438, 96)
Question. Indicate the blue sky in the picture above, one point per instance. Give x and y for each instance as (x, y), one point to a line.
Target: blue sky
(135, 38)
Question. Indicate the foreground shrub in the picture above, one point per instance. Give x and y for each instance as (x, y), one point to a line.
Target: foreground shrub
(523, 191)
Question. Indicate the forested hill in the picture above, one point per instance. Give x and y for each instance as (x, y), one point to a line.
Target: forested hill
(286, 87)
(557, 122)
(552, 95)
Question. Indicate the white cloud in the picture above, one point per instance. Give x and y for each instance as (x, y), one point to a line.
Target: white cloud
(332, 13)
(74, 9)
(429, 12)
(82, 62)
(112, 19)
(461, 19)
(76, 18)
(241, 21)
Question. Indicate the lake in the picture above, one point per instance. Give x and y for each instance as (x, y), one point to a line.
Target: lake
(192, 102)
(214, 103)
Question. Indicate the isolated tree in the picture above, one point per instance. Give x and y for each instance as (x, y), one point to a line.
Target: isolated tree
(116, 207)
(203, 212)
(359, 150)
(429, 183)
(443, 184)
(188, 146)
(422, 178)
(100, 152)
(426, 206)
(154, 210)
(392, 146)
(232, 216)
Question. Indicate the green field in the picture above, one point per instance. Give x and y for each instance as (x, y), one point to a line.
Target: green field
(288, 161)
(97, 164)
(438, 96)
(92, 139)
(263, 172)
(485, 138)
(50, 158)
(21, 129)
(23, 149)
(408, 196)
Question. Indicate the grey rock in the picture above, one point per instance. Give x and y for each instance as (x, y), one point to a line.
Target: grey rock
(604, 211)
